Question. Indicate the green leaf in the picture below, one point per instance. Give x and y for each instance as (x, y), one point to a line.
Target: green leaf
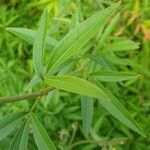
(39, 44)
(114, 107)
(42, 139)
(113, 76)
(108, 30)
(122, 45)
(75, 85)
(9, 123)
(75, 19)
(34, 81)
(78, 37)
(101, 60)
(87, 113)
(114, 59)
(109, 102)
(29, 35)
(20, 140)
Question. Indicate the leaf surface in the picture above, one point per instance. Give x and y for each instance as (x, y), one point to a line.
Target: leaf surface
(9, 123)
(122, 45)
(20, 139)
(87, 113)
(78, 37)
(108, 101)
(42, 139)
(29, 35)
(39, 44)
(113, 76)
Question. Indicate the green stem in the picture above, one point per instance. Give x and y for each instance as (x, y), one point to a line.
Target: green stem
(11, 99)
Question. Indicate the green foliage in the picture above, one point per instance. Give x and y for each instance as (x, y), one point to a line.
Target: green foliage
(39, 45)
(20, 139)
(74, 40)
(41, 138)
(87, 113)
(83, 59)
(29, 35)
(113, 76)
(9, 123)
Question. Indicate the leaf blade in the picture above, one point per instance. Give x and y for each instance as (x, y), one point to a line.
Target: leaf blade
(87, 113)
(113, 76)
(74, 40)
(75, 19)
(109, 102)
(122, 45)
(42, 139)
(20, 139)
(108, 30)
(9, 123)
(39, 45)
(29, 35)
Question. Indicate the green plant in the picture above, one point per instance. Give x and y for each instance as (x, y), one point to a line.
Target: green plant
(52, 70)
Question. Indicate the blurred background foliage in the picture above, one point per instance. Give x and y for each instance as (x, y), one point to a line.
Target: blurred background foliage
(59, 112)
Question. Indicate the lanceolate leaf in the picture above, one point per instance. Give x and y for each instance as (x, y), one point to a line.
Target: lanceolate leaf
(29, 35)
(34, 81)
(39, 44)
(20, 140)
(75, 85)
(87, 113)
(108, 30)
(113, 76)
(78, 37)
(75, 19)
(101, 60)
(9, 123)
(122, 45)
(118, 110)
(109, 102)
(42, 139)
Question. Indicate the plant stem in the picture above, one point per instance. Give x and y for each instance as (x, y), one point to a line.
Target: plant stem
(11, 99)
(112, 142)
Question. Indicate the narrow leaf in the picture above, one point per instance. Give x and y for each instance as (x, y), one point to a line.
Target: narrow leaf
(109, 102)
(122, 45)
(9, 123)
(39, 44)
(34, 81)
(75, 19)
(20, 140)
(115, 108)
(113, 76)
(29, 35)
(75, 85)
(42, 139)
(78, 37)
(101, 60)
(108, 30)
(87, 113)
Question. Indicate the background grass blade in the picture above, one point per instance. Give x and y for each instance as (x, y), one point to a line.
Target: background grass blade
(109, 102)
(41, 137)
(39, 44)
(20, 139)
(113, 76)
(87, 113)
(9, 123)
(29, 35)
(76, 39)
